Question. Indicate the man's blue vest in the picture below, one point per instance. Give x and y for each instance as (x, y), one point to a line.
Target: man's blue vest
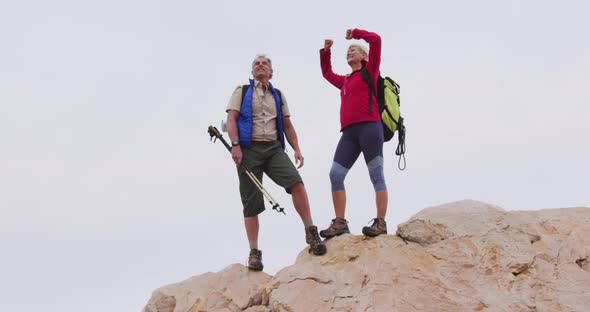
(245, 121)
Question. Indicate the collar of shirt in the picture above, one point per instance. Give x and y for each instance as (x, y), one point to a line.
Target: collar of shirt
(260, 84)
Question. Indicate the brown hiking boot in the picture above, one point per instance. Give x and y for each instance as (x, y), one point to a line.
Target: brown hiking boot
(255, 260)
(378, 227)
(315, 242)
(339, 226)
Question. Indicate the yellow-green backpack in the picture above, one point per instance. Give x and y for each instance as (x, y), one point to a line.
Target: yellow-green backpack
(388, 99)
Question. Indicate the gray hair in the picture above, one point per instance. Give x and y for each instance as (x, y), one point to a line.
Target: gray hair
(258, 56)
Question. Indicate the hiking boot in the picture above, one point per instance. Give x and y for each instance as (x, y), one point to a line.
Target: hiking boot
(378, 227)
(255, 260)
(339, 226)
(315, 242)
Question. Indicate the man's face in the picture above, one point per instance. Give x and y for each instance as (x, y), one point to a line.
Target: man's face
(261, 69)
(354, 54)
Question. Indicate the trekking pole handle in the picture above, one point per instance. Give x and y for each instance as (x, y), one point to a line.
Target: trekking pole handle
(213, 132)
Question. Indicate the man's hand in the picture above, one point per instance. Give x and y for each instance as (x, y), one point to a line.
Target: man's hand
(348, 34)
(299, 159)
(236, 154)
(328, 44)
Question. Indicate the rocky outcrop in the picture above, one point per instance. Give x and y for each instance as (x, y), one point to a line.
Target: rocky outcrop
(233, 289)
(462, 256)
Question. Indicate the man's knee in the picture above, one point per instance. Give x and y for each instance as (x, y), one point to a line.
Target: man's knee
(252, 201)
(251, 211)
(297, 188)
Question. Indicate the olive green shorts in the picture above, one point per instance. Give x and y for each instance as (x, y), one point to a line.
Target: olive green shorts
(275, 163)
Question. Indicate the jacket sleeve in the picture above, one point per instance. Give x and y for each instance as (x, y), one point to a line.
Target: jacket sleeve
(326, 64)
(374, 42)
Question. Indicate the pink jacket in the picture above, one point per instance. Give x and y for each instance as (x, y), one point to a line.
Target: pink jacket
(354, 91)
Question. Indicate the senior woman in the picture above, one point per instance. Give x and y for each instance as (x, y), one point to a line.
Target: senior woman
(361, 128)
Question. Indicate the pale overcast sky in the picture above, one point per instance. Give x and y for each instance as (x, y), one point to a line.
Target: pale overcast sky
(110, 187)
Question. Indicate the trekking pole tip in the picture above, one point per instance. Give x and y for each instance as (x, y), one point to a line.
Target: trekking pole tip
(278, 208)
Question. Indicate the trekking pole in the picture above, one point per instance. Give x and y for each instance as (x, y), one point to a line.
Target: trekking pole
(214, 133)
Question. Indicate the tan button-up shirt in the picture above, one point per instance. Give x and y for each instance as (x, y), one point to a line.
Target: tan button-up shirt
(264, 112)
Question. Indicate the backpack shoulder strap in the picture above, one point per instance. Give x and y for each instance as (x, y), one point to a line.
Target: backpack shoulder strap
(369, 80)
(381, 92)
(244, 90)
(280, 96)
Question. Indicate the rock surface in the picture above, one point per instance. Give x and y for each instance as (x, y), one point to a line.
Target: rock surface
(467, 256)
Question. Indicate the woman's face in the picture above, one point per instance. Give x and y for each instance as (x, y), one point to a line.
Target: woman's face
(355, 55)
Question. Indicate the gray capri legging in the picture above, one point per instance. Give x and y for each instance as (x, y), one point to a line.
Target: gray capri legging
(365, 137)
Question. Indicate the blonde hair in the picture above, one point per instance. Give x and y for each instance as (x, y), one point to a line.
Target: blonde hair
(361, 47)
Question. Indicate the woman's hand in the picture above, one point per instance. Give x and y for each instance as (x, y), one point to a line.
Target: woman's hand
(348, 34)
(328, 44)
